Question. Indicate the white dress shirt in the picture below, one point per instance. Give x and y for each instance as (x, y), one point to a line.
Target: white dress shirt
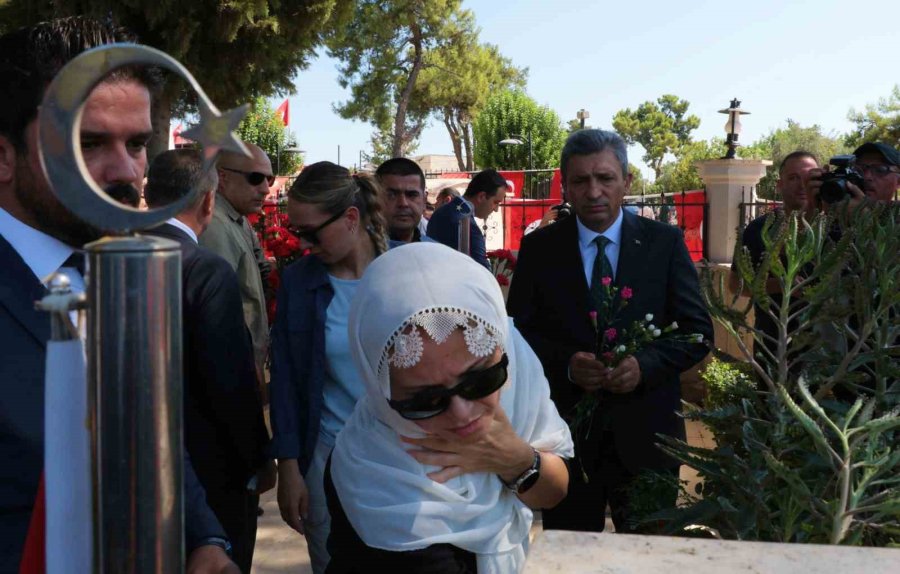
(589, 248)
(43, 254)
(183, 226)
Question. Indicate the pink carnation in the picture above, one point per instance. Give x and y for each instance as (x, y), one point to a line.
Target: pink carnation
(609, 357)
(610, 334)
(606, 281)
(626, 293)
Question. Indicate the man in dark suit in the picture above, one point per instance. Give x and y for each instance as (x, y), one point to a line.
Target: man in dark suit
(37, 237)
(557, 284)
(224, 429)
(483, 196)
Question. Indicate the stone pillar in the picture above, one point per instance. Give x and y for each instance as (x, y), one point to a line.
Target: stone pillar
(726, 180)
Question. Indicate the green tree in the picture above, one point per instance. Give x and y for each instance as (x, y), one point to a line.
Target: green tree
(783, 141)
(681, 174)
(573, 126)
(514, 112)
(383, 51)
(661, 127)
(878, 123)
(262, 126)
(455, 84)
(237, 49)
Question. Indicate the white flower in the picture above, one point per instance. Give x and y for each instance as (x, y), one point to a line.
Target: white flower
(674, 325)
(697, 338)
(620, 349)
(652, 327)
(657, 332)
(648, 317)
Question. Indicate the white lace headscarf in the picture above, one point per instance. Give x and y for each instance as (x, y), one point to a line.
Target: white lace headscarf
(385, 493)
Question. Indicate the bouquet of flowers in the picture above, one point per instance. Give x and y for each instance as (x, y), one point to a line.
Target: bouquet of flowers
(613, 345)
(503, 264)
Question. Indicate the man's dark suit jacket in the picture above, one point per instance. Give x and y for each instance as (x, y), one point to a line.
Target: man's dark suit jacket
(24, 333)
(443, 227)
(224, 429)
(550, 302)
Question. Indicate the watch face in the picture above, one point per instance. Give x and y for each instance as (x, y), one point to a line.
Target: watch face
(529, 481)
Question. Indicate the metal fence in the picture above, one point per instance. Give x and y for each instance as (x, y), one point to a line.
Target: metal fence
(752, 206)
(523, 216)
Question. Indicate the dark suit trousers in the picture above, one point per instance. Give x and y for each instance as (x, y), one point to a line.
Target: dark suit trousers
(584, 508)
(236, 510)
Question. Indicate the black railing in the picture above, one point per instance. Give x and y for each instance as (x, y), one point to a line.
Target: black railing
(752, 207)
(524, 215)
(536, 185)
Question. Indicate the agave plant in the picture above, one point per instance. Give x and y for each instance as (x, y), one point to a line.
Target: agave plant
(811, 456)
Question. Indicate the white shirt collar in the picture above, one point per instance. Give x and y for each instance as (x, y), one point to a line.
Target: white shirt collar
(43, 254)
(183, 226)
(613, 233)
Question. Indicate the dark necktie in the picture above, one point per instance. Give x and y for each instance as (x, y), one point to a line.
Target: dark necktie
(602, 268)
(76, 261)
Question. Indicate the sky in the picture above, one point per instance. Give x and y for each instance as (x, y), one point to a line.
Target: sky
(808, 61)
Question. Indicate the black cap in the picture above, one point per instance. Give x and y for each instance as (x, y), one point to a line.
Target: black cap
(889, 154)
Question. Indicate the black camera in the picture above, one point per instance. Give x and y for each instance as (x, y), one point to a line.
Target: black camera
(563, 210)
(834, 183)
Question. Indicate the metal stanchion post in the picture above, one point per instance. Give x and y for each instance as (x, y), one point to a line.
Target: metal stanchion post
(134, 363)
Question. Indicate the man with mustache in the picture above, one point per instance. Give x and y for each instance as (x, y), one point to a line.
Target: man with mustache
(560, 280)
(39, 236)
(403, 183)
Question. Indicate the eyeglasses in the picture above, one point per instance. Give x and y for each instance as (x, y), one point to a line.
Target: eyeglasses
(254, 177)
(432, 402)
(311, 236)
(877, 170)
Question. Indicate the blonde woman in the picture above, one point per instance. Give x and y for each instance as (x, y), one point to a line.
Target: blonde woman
(315, 385)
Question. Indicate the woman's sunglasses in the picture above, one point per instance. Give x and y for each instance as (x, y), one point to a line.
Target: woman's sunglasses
(254, 177)
(434, 401)
(311, 236)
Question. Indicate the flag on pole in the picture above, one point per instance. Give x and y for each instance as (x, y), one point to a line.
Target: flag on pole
(284, 113)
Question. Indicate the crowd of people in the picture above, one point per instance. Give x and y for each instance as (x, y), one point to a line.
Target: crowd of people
(417, 418)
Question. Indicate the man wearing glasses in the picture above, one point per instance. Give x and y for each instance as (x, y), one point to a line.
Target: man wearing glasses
(879, 164)
(243, 185)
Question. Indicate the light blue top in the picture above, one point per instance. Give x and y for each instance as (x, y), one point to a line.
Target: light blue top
(589, 248)
(343, 386)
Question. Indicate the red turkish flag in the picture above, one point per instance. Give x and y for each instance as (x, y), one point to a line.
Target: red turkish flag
(33, 556)
(284, 112)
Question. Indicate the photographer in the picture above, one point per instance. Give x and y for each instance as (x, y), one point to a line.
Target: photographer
(872, 172)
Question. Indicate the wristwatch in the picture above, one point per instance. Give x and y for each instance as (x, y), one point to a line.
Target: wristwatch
(528, 478)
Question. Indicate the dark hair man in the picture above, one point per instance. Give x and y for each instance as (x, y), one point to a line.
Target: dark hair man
(37, 236)
(445, 196)
(403, 183)
(224, 428)
(796, 175)
(483, 197)
(559, 280)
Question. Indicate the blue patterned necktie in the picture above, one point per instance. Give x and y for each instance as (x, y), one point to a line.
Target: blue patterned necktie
(602, 268)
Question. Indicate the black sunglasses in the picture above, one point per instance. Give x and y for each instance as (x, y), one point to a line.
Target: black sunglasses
(311, 236)
(434, 401)
(254, 177)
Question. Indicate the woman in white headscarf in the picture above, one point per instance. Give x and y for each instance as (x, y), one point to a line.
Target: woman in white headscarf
(456, 438)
